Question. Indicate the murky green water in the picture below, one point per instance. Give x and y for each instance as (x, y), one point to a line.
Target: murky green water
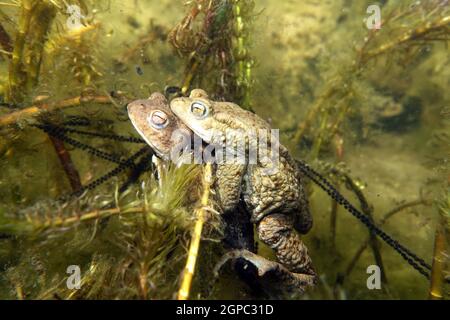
(368, 108)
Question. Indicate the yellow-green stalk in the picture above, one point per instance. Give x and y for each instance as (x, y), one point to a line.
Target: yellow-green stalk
(244, 62)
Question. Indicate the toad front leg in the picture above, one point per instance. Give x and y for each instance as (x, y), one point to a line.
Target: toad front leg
(277, 231)
(228, 184)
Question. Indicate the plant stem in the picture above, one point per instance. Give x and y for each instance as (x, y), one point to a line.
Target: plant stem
(188, 274)
(17, 74)
(424, 32)
(189, 77)
(244, 63)
(440, 260)
(43, 16)
(35, 110)
(67, 163)
(417, 34)
(437, 276)
(60, 222)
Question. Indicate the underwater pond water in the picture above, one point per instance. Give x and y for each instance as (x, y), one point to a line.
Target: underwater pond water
(359, 90)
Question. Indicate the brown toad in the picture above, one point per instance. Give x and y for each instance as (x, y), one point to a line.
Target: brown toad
(275, 198)
(158, 126)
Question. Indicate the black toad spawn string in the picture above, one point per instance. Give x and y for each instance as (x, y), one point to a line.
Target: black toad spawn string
(58, 132)
(114, 137)
(121, 167)
(417, 263)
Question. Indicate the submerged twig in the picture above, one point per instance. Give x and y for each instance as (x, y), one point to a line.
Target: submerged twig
(188, 274)
(61, 222)
(38, 109)
(67, 163)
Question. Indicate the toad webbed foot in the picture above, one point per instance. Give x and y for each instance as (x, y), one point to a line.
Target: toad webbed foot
(277, 231)
(270, 275)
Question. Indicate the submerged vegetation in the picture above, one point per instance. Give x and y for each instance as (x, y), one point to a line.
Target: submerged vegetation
(366, 108)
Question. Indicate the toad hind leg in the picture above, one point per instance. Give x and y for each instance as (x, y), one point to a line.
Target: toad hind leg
(277, 231)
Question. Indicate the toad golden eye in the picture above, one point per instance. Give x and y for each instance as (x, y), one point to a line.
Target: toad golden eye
(158, 119)
(199, 110)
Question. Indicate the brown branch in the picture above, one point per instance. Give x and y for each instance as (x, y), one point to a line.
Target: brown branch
(35, 110)
(67, 163)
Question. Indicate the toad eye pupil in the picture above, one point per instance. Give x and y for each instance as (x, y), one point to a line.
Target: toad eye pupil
(158, 120)
(199, 110)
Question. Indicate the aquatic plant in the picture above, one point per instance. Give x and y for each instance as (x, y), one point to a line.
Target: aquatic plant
(217, 48)
(188, 273)
(406, 30)
(142, 231)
